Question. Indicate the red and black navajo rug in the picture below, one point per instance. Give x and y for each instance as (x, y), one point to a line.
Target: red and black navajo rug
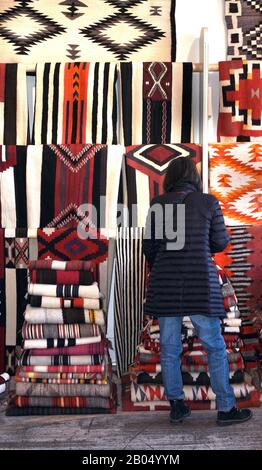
(65, 244)
(240, 101)
(156, 102)
(252, 400)
(146, 167)
(75, 103)
(55, 186)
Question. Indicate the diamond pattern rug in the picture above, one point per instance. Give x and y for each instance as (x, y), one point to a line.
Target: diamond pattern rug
(93, 30)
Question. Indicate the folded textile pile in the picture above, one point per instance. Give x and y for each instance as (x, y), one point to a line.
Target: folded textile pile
(143, 388)
(64, 366)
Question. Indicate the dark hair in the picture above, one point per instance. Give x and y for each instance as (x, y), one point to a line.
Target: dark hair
(181, 170)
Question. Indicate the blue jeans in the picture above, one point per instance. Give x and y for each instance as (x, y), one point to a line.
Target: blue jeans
(209, 332)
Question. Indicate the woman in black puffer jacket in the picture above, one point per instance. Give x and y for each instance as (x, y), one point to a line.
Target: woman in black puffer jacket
(183, 282)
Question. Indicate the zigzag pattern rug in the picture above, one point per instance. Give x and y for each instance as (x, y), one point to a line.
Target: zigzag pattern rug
(156, 103)
(45, 186)
(236, 179)
(244, 25)
(13, 105)
(92, 30)
(240, 107)
(242, 263)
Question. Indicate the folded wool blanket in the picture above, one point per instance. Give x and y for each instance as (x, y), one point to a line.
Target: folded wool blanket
(252, 400)
(75, 265)
(59, 302)
(64, 290)
(4, 381)
(45, 331)
(192, 344)
(59, 343)
(189, 378)
(188, 357)
(27, 360)
(61, 390)
(79, 350)
(64, 315)
(51, 276)
(151, 392)
(71, 369)
(13, 410)
(103, 380)
(232, 321)
(230, 329)
(138, 365)
(200, 357)
(93, 377)
(64, 402)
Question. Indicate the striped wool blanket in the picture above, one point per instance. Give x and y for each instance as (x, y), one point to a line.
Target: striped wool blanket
(27, 360)
(48, 378)
(156, 366)
(75, 265)
(68, 369)
(61, 342)
(79, 350)
(63, 315)
(52, 276)
(64, 290)
(60, 302)
(65, 402)
(61, 390)
(46, 331)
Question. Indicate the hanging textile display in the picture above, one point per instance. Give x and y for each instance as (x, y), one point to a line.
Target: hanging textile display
(75, 103)
(244, 29)
(129, 294)
(235, 179)
(13, 105)
(103, 30)
(46, 185)
(156, 102)
(240, 101)
(145, 168)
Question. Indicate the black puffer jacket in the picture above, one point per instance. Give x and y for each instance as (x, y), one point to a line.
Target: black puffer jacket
(185, 282)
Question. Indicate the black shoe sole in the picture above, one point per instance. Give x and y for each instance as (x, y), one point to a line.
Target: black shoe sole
(234, 421)
(180, 420)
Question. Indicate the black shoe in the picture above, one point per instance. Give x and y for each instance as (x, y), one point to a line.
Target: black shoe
(225, 418)
(179, 411)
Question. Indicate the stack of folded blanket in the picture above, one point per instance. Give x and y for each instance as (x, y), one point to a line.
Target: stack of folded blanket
(143, 388)
(64, 367)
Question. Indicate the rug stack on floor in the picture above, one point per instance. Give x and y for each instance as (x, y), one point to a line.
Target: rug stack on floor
(143, 388)
(64, 367)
